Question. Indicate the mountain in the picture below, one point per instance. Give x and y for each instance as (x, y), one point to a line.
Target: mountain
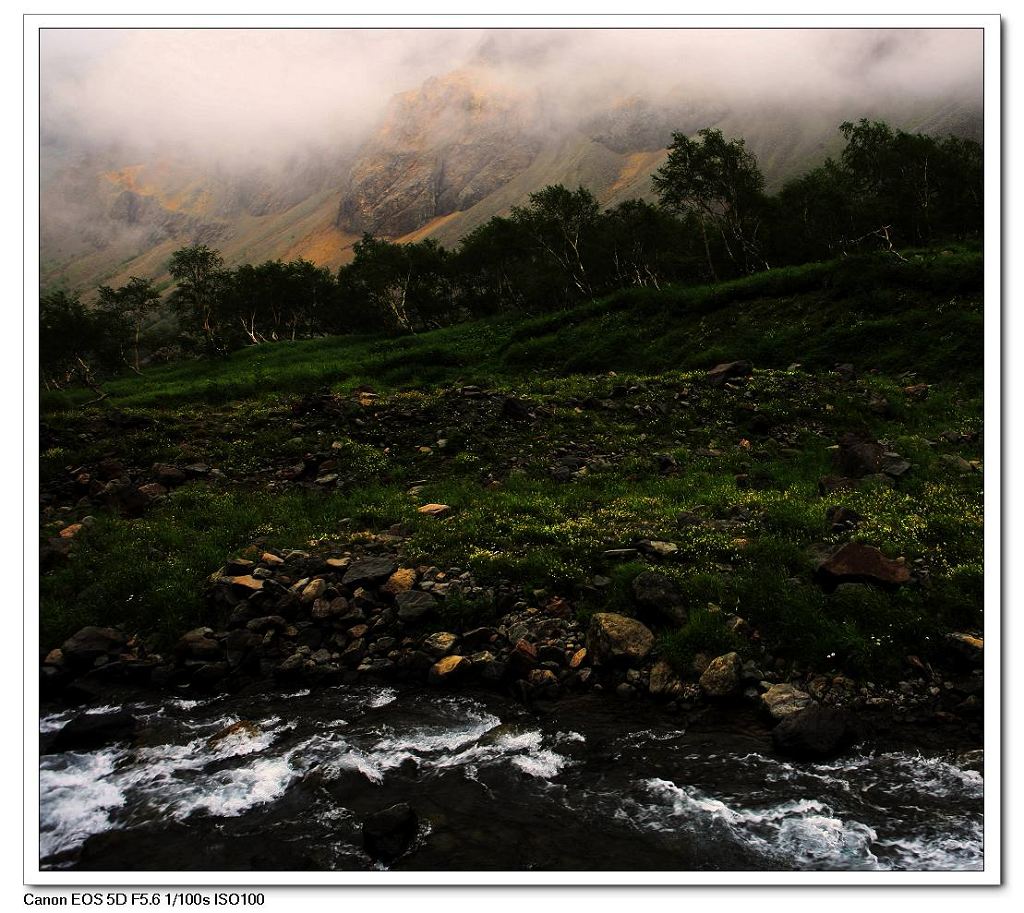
(442, 159)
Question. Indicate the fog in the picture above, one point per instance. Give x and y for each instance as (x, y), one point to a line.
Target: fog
(229, 95)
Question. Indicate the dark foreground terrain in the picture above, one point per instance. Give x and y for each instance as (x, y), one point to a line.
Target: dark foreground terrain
(700, 568)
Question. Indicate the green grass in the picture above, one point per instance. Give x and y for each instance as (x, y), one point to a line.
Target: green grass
(752, 554)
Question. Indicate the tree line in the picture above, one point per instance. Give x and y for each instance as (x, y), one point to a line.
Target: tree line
(713, 220)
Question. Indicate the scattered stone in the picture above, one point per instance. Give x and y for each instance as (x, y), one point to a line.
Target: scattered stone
(577, 658)
(402, 579)
(858, 456)
(613, 638)
(314, 590)
(368, 571)
(655, 548)
(968, 648)
(857, 563)
(718, 375)
(414, 604)
(722, 676)
(434, 510)
(198, 644)
(69, 532)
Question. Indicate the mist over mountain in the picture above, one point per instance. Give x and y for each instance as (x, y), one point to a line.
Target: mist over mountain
(292, 143)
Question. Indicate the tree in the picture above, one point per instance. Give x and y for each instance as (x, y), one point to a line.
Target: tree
(75, 342)
(561, 223)
(720, 183)
(134, 302)
(202, 285)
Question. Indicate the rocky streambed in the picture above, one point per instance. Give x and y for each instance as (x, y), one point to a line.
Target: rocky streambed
(354, 712)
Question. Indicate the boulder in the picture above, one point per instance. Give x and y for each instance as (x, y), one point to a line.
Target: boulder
(858, 456)
(783, 700)
(88, 731)
(663, 680)
(368, 571)
(198, 644)
(440, 643)
(661, 595)
(967, 648)
(390, 832)
(90, 643)
(858, 563)
(719, 374)
(447, 669)
(434, 510)
(722, 676)
(616, 638)
(813, 733)
(414, 604)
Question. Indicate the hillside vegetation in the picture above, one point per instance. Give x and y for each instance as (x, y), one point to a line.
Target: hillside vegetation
(557, 439)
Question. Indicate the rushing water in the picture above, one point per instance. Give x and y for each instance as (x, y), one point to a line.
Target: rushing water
(598, 784)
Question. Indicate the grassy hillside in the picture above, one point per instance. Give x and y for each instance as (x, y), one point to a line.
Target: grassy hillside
(615, 436)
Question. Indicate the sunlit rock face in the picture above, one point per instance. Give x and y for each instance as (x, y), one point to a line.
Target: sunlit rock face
(439, 149)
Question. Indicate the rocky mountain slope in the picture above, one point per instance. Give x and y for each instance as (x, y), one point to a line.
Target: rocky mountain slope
(444, 158)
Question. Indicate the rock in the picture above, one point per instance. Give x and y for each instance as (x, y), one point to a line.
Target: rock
(857, 563)
(577, 658)
(858, 455)
(402, 579)
(813, 733)
(663, 680)
(621, 554)
(447, 669)
(414, 604)
(440, 644)
(368, 571)
(314, 590)
(722, 676)
(241, 729)
(542, 678)
(783, 700)
(516, 408)
(434, 510)
(967, 648)
(390, 832)
(616, 638)
(719, 374)
(660, 594)
(655, 548)
(90, 643)
(169, 476)
(88, 731)
(842, 518)
(69, 532)
(197, 644)
(954, 461)
(244, 584)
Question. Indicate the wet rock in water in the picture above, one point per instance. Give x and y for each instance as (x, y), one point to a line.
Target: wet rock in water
(414, 604)
(661, 595)
(858, 456)
(368, 571)
(784, 700)
(616, 638)
(241, 729)
(390, 832)
(91, 643)
(813, 733)
(857, 563)
(719, 374)
(722, 676)
(88, 731)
